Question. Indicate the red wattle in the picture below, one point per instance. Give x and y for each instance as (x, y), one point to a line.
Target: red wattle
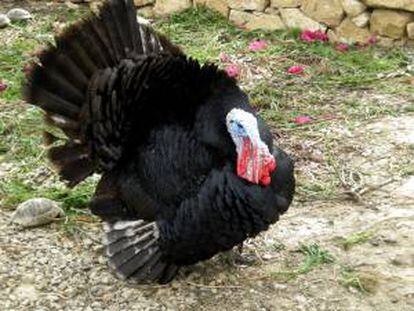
(269, 165)
(255, 165)
(243, 158)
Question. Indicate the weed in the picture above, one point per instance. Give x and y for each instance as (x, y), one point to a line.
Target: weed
(363, 282)
(355, 239)
(314, 257)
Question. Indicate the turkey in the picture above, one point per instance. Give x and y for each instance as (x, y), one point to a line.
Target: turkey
(187, 168)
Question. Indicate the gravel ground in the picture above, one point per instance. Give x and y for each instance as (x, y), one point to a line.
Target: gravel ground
(46, 268)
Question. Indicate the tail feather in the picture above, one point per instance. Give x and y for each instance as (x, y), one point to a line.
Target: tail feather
(49, 138)
(65, 77)
(72, 161)
(69, 127)
(133, 251)
(76, 171)
(52, 103)
(64, 64)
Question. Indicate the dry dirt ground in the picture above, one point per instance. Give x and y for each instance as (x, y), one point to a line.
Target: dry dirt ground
(45, 269)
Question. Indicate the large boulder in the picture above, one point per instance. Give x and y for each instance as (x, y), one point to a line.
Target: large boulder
(353, 7)
(410, 30)
(294, 18)
(329, 12)
(216, 5)
(362, 19)
(253, 21)
(390, 23)
(285, 3)
(407, 5)
(350, 33)
(166, 7)
(248, 5)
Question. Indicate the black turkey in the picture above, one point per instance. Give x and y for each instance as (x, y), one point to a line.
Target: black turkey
(188, 169)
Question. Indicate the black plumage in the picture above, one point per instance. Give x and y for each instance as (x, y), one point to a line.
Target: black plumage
(152, 121)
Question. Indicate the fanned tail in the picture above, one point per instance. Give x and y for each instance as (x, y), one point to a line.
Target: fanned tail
(134, 254)
(60, 81)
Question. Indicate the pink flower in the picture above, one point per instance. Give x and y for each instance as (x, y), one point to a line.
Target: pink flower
(342, 47)
(313, 35)
(372, 40)
(302, 120)
(223, 57)
(296, 70)
(3, 87)
(233, 71)
(257, 45)
(307, 36)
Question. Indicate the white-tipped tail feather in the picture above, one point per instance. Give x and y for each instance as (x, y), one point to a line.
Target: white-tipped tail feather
(133, 251)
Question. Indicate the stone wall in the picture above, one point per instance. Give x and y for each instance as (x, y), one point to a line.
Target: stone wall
(350, 21)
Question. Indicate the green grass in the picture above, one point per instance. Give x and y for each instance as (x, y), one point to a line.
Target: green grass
(355, 239)
(25, 39)
(314, 256)
(363, 282)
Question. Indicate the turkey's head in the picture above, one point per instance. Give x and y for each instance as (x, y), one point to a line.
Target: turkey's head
(254, 161)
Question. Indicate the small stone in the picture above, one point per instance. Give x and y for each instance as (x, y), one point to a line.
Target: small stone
(143, 21)
(410, 30)
(278, 286)
(391, 240)
(248, 5)
(18, 15)
(353, 7)
(385, 41)
(286, 3)
(96, 304)
(36, 212)
(329, 12)
(4, 20)
(390, 23)
(140, 3)
(267, 257)
(26, 291)
(166, 7)
(272, 11)
(146, 12)
(332, 36)
(407, 188)
(361, 20)
(294, 18)
(251, 21)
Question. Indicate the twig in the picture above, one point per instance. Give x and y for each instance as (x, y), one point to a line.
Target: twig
(4, 213)
(213, 286)
(261, 262)
(376, 187)
(15, 246)
(87, 234)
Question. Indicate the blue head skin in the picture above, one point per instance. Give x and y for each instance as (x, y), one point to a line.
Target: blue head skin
(252, 153)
